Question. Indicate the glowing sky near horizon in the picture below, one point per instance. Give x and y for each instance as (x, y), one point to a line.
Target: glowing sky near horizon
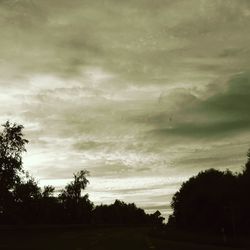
(143, 94)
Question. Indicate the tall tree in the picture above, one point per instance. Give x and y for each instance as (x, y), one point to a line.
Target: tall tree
(77, 207)
(12, 146)
(73, 189)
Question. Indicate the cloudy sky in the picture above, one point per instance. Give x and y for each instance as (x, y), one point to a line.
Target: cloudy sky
(143, 94)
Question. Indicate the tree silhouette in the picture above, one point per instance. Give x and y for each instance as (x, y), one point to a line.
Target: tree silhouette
(206, 201)
(121, 213)
(75, 205)
(48, 191)
(27, 191)
(73, 190)
(246, 169)
(243, 216)
(12, 145)
(27, 196)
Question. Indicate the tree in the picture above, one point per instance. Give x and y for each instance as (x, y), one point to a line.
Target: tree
(206, 201)
(73, 189)
(246, 170)
(27, 191)
(77, 208)
(243, 196)
(12, 146)
(27, 197)
(48, 191)
(157, 219)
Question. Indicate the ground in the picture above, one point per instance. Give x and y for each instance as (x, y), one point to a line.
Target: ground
(78, 238)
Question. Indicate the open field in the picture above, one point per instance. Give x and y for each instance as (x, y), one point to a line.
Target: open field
(111, 238)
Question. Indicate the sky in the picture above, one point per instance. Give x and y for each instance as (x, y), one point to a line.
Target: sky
(143, 94)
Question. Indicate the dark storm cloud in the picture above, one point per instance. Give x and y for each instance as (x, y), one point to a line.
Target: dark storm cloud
(220, 115)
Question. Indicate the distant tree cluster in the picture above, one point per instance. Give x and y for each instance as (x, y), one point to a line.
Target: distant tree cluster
(214, 201)
(120, 213)
(22, 201)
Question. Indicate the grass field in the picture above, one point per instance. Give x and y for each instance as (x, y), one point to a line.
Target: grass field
(111, 238)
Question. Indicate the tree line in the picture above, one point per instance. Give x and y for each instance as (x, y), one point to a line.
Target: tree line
(22, 201)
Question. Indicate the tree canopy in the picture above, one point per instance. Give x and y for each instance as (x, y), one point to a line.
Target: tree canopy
(213, 200)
